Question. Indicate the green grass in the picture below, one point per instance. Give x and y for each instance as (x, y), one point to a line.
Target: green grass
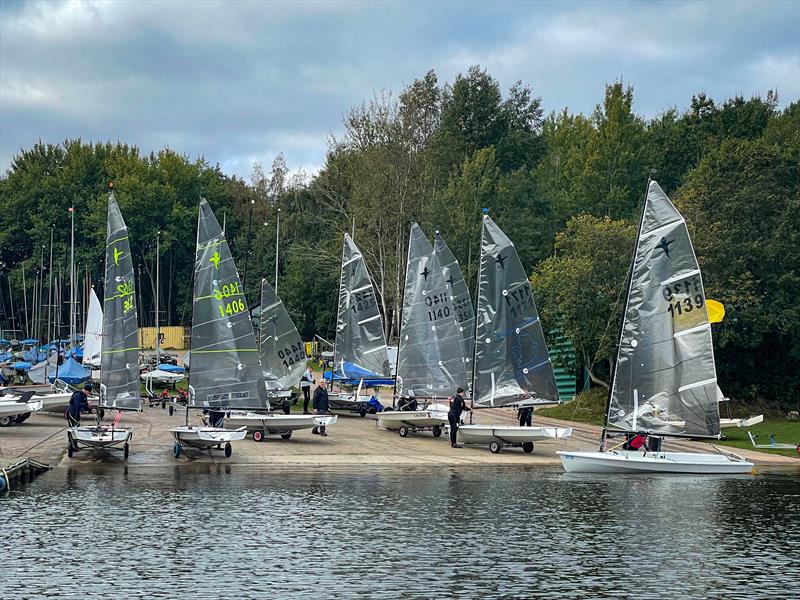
(787, 432)
(587, 407)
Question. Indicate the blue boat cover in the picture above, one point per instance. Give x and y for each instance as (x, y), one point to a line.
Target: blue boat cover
(22, 366)
(71, 372)
(169, 368)
(30, 341)
(353, 374)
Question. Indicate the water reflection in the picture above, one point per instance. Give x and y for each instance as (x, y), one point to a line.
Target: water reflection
(216, 530)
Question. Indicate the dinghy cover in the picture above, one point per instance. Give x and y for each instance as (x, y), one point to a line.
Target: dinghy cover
(119, 361)
(359, 327)
(225, 368)
(430, 359)
(283, 354)
(665, 380)
(512, 364)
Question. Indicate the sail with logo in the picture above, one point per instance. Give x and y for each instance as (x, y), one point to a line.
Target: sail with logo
(512, 364)
(665, 380)
(283, 355)
(360, 343)
(430, 361)
(226, 371)
(462, 301)
(119, 356)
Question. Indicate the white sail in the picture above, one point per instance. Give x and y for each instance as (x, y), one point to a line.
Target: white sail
(93, 338)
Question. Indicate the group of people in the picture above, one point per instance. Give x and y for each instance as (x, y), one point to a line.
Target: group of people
(320, 400)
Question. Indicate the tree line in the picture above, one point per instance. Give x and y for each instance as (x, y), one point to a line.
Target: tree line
(565, 187)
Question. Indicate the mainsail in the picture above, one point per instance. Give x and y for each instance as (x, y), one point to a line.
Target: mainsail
(283, 355)
(430, 359)
(93, 339)
(119, 363)
(665, 381)
(225, 372)
(511, 359)
(462, 301)
(359, 328)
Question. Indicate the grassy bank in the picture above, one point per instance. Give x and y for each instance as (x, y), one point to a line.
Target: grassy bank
(787, 432)
(587, 407)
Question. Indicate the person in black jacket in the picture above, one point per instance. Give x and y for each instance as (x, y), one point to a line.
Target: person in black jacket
(457, 406)
(525, 415)
(321, 406)
(78, 403)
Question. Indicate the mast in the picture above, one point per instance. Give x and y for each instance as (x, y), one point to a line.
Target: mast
(158, 294)
(277, 239)
(628, 284)
(72, 280)
(475, 333)
(49, 303)
(25, 301)
(400, 337)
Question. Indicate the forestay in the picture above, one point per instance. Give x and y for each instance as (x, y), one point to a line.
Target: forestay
(462, 301)
(359, 327)
(430, 360)
(119, 361)
(283, 355)
(665, 380)
(226, 371)
(512, 364)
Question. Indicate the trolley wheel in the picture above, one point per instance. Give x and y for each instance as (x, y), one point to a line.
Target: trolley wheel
(286, 435)
(125, 451)
(176, 450)
(403, 431)
(70, 451)
(437, 431)
(258, 436)
(287, 407)
(163, 403)
(494, 447)
(75, 445)
(527, 447)
(171, 410)
(362, 411)
(6, 421)
(101, 413)
(228, 450)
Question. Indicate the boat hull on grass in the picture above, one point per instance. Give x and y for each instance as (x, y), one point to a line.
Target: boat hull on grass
(406, 421)
(730, 423)
(98, 437)
(277, 424)
(206, 438)
(509, 436)
(625, 461)
(350, 403)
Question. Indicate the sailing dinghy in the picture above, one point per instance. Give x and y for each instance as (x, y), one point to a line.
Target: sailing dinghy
(359, 353)
(665, 382)
(430, 359)
(119, 352)
(16, 408)
(511, 364)
(226, 372)
(283, 359)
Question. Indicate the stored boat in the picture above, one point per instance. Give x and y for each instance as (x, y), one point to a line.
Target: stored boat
(17, 408)
(665, 358)
(261, 425)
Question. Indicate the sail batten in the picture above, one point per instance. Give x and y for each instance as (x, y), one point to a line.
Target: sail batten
(119, 353)
(225, 369)
(283, 355)
(512, 363)
(430, 361)
(665, 387)
(359, 327)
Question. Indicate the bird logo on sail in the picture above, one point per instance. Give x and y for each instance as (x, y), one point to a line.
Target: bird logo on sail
(664, 245)
(425, 273)
(117, 255)
(214, 260)
(500, 259)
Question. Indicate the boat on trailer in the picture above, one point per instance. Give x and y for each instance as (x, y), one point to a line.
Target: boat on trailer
(665, 359)
(225, 371)
(17, 408)
(511, 366)
(262, 425)
(119, 347)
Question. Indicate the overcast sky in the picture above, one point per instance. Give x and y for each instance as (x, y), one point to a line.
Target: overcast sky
(240, 82)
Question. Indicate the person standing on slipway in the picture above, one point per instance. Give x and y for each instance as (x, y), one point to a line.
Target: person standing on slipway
(306, 381)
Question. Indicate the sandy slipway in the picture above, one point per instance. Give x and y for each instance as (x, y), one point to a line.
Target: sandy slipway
(353, 441)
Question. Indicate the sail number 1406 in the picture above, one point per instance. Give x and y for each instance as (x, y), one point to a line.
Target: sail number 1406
(231, 308)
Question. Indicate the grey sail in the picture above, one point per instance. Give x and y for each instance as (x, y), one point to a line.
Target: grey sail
(665, 380)
(283, 355)
(226, 371)
(430, 359)
(119, 354)
(462, 301)
(511, 359)
(360, 340)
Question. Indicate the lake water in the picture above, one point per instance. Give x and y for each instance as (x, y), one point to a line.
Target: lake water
(237, 532)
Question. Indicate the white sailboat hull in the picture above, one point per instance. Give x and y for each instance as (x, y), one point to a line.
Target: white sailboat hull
(57, 402)
(162, 377)
(394, 419)
(11, 407)
(100, 437)
(625, 461)
(729, 423)
(509, 435)
(276, 423)
(207, 437)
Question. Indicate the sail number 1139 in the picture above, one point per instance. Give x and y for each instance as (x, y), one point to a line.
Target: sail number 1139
(683, 296)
